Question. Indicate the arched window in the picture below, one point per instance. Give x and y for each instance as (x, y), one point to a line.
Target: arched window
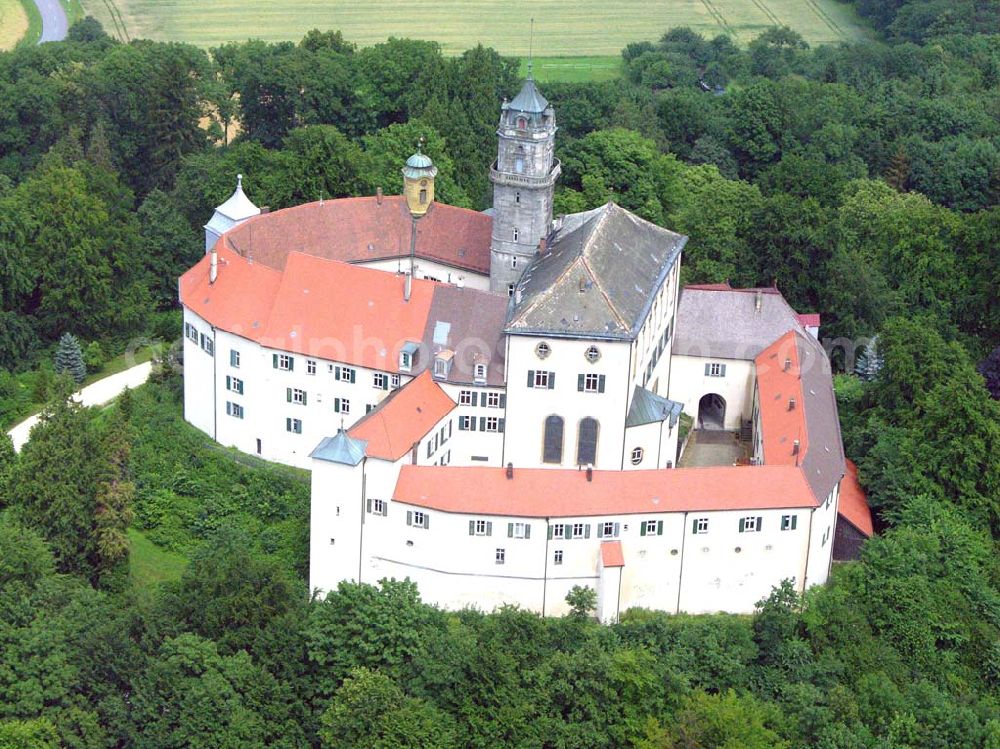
(515, 234)
(553, 447)
(423, 195)
(522, 123)
(586, 446)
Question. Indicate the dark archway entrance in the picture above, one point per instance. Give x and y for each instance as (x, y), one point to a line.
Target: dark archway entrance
(712, 412)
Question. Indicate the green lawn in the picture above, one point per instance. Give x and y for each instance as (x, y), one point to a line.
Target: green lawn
(575, 69)
(584, 28)
(150, 565)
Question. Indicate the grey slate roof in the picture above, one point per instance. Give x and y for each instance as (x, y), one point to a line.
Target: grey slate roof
(649, 408)
(823, 464)
(340, 448)
(468, 322)
(725, 323)
(596, 278)
(529, 98)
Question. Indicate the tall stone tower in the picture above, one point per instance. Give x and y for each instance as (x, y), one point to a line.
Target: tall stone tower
(523, 177)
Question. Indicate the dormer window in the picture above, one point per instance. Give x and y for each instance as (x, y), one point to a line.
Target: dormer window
(479, 370)
(407, 354)
(442, 364)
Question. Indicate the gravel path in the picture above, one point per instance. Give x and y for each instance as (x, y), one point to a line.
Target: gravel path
(55, 25)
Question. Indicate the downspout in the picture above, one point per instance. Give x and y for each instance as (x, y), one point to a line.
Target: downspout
(215, 385)
(680, 575)
(628, 384)
(809, 539)
(361, 529)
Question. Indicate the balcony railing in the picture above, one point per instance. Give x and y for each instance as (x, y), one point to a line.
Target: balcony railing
(522, 180)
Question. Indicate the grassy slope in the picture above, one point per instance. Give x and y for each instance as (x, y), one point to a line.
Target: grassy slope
(150, 565)
(562, 28)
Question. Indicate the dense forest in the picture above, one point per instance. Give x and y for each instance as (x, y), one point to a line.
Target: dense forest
(863, 180)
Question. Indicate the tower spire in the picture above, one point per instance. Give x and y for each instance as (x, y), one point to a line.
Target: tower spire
(531, 48)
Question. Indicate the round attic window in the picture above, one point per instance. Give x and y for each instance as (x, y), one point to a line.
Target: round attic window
(542, 350)
(593, 354)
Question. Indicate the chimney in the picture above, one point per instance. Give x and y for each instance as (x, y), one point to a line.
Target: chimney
(590, 472)
(213, 268)
(788, 363)
(407, 287)
(378, 196)
(791, 404)
(541, 246)
(460, 283)
(795, 447)
(583, 284)
(510, 470)
(759, 301)
(265, 209)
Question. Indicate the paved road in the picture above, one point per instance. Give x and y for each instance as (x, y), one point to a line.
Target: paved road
(95, 394)
(54, 22)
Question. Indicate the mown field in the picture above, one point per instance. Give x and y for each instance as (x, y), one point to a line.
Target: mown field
(563, 28)
(13, 23)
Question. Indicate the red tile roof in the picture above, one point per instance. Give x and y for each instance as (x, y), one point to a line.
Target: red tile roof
(809, 319)
(541, 492)
(315, 307)
(365, 229)
(782, 407)
(611, 554)
(403, 418)
(853, 505)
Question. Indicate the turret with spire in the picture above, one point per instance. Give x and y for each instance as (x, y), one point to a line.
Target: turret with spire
(523, 177)
(237, 209)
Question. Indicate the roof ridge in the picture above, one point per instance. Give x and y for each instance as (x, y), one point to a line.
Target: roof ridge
(604, 294)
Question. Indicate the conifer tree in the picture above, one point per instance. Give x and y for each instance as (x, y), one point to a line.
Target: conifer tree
(69, 358)
(8, 458)
(869, 361)
(116, 492)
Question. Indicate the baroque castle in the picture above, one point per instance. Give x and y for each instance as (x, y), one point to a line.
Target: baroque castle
(503, 405)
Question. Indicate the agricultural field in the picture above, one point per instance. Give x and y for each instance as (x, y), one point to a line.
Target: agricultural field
(563, 28)
(13, 23)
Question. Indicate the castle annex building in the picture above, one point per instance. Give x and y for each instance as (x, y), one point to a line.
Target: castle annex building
(503, 405)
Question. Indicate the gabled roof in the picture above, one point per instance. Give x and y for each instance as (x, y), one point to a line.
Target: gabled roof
(545, 492)
(795, 368)
(358, 230)
(649, 408)
(403, 418)
(715, 320)
(340, 449)
(596, 278)
(611, 554)
(853, 505)
(470, 323)
(529, 98)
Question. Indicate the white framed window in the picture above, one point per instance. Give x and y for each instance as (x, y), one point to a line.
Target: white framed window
(296, 396)
(608, 530)
(789, 522)
(501, 556)
(579, 529)
(750, 524)
(440, 368)
(283, 362)
(234, 358)
(715, 369)
(293, 425)
(341, 405)
(493, 400)
(380, 381)
(559, 531)
(651, 528)
(540, 378)
(700, 525)
(591, 383)
(479, 373)
(405, 360)
(480, 528)
(394, 381)
(207, 345)
(557, 556)
(234, 409)
(378, 507)
(592, 354)
(467, 423)
(518, 530)
(234, 384)
(418, 519)
(310, 366)
(542, 350)
(191, 332)
(346, 374)
(465, 398)
(493, 424)
(637, 455)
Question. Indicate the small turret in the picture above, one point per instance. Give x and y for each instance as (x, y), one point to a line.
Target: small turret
(233, 212)
(418, 182)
